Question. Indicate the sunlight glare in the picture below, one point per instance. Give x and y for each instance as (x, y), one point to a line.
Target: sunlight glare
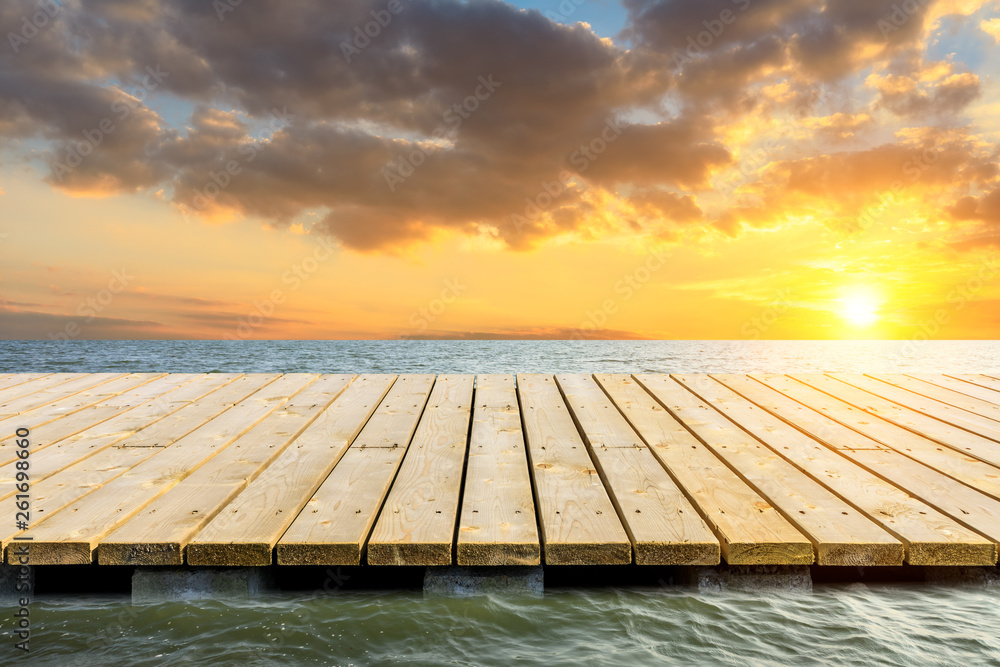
(860, 307)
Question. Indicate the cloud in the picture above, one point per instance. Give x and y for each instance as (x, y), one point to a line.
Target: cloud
(992, 28)
(912, 96)
(183, 300)
(984, 210)
(33, 325)
(828, 40)
(847, 190)
(531, 333)
(666, 205)
(719, 49)
(471, 118)
(347, 125)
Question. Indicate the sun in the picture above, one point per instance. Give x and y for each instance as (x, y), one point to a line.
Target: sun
(859, 307)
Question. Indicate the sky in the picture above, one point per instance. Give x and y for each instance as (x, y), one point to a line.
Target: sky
(619, 169)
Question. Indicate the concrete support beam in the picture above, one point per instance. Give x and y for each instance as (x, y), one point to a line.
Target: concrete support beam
(484, 580)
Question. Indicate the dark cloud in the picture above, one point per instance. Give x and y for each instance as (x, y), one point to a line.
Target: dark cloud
(232, 320)
(183, 300)
(676, 153)
(484, 103)
(536, 333)
(33, 325)
(666, 205)
(984, 210)
(730, 38)
(450, 115)
(946, 98)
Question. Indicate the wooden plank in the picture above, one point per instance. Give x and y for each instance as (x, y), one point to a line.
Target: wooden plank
(947, 396)
(979, 380)
(908, 431)
(840, 534)
(72, 534)
(74, 403)
(417, 523)
(159, 534)
(972, 389)
(930, 537)
(750, 530)
(662, 524)
(41, 383)
(335, 523)
(497, 524)
(69, 441)
(909, 402)
(967, 506)
(245, 532)
(36, 399)
(17, 379)
(580, 525)
(52, 432)
(57, 491)
(333, 526)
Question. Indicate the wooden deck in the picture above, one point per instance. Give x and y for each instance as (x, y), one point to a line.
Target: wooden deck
(302, 469)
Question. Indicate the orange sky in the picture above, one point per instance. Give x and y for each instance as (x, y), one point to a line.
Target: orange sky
(776, 184)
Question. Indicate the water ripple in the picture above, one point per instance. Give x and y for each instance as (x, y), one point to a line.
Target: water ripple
(889, 625)
(504, 356)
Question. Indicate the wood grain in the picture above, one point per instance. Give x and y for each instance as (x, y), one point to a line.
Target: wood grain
(979, 392)
(973, 472)
(334, 525)
(580, 525)
(246, 531)
(159, 534)
(750, 530)
(931, 537)
(417, 523)
(840, 534)
(663, 526)
(901, 472)
(71, 535)
(497, 525)
(78, 382)
(949, 414)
